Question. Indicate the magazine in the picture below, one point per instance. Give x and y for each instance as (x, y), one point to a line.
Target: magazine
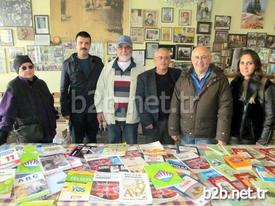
(9, 158)
(55, 163)
(134, 164)
(7, 177)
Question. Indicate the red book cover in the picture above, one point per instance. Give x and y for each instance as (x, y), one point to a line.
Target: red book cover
(245, 178)
(270, 169)
(244, 152)
(221, 181)
(269, 151)
(197, 163)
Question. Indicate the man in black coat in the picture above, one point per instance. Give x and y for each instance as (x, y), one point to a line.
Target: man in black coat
(154, 91)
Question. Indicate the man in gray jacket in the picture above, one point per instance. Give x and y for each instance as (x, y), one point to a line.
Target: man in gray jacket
(201, 106)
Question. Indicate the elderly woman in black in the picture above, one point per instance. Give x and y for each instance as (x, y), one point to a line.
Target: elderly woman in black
(27, 106)
(253, 103)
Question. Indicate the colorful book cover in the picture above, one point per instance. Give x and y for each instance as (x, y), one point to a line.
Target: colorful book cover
(223, 182)
(154, 148)
(238, 162)
(268, 151)
(245, 178)
(162, 175)
(265, 175)
(134, 164)
(269, 187)
(38, 203)
(163, 195)
(79, 176)
(216, 149)
(270, 169)
(134, 188)
(186, 156)
(213, 159)
(226, 171)
(209, 174)
(29, 163)
(7, 178)
(107, 164)
(54, 163)
(55, 182)
(115, 149)
(75, 191)
(153, 159)
(9, 158)
(197, 164)
(192, 189)
(179, 166)
(81, 150)
(50, 149)
(243, 152)
(254, 152)
(30, 186)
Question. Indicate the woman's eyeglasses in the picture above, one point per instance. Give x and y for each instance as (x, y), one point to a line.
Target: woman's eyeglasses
(26, 67)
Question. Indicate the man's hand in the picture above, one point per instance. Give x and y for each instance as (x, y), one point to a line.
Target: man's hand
(175, 137)
(67, 117)
(150, 126)
(100, 118)
(221, 142)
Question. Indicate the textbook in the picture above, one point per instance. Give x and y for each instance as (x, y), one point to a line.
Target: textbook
(115, 149)
(163, 195)
(264, 174)
(245, 178)
(154, 148)
(134, 164)
(55, 182)
(153, 159)
(243, 152)
(50, 149)
(223, 182)
(9, 158)
(209, 174)
(54, 163)
(226, 171)
(213, 158)
(238, 162)
(7, 178)
(162, 175)
(197, 164)
(179, 166)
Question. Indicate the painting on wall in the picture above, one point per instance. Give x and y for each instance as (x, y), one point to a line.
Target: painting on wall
(103, 19)
(253, 14)
(16, 13)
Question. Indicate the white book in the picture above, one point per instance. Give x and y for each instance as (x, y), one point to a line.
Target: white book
(7, 178)
(54, 163)
(9, 158)
(50, 149)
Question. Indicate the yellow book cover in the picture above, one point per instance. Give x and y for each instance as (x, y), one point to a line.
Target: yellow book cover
(237, 162)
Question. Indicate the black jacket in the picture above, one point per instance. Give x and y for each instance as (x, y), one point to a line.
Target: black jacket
(147, 90)
(76, 86)
(254, 113)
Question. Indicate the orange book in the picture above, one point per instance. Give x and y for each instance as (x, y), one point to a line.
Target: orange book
(237, 162)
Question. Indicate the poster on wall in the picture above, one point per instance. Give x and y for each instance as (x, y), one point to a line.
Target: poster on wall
(16, 13)
(253, 14)
(103, 19)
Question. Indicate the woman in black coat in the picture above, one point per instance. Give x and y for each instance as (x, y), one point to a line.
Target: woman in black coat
(253, 103)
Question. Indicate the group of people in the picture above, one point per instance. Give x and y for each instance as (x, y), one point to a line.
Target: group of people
(193, 107)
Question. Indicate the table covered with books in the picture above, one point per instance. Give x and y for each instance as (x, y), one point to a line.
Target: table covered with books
(80, 175)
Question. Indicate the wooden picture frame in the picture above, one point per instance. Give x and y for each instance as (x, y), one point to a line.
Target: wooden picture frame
(221, 36)
(136, 19)
(137, 34)
(6, 37)
(150, 18)
(171, 48)
(41, 24)
(184, 52)
(185, 17)
(167, 15)
(203, 40)
(139, 56)
(166, 34)
(150, 48)
(204, 27)
(151, 34)
(222, 22)
(270, 41)
(237, 40)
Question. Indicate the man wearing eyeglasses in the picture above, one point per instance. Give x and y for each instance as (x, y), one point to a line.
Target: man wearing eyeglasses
(27, 106)
(201, 106)
(115, 94)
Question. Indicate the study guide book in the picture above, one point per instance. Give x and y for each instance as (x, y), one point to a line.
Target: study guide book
(264, 174)
(49, 149)
(134, 164)
(238, 162)
(7, 178)
(54, 163)
(163, 195)
(9, 158)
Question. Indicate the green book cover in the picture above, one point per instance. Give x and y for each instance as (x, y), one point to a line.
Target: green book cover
(226, 171)
(79, 176)
(162, 175)
(7, 178)
(269, 186)
(213, 158)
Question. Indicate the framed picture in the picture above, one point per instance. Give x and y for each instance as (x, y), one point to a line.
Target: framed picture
(167, 15)
(261, 39)
(166, 34)
(111, 48)
(171, 48)
(136, 18)
(150, 18)
(139, 56)
(185, 17)
(204, 27)
(25, 33)
(3, 65)
(204, 10)
(150, 49)
(272, 56)
(184, 35)
(151, 35)
(237, 40)
(15, 13)
(137, 34)
(12, 52)
(216, 58)
(184, 52)
(6, 38)
(203, 40)
(251, 41)
(270, 41)
(185, 66)
(271, 69)
(221, 36)
(222, 22)
(41, 24)
(217, 46)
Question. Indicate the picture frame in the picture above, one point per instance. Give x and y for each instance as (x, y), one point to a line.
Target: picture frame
(6, 37)
(41, 24)
(222, 22)
(16, 13)
(167, 15)
(270, 41)
(183, 65)
(221, 36)
(151, 34)
(237, 40)
(261, 39)
(171, 48)
(272, 56)
(183, 52)
(271, 69)
(185, 17)
(137, 34)
(204, 27)
(204, 10)
(203, 40)
(217, 46)
(139, 56)
(184, 35)
(166, 34)
(111, 48)
(150, 18)
(136, 19)
(3, 65)
(251, 41)
(25, 33)
(216, 58)
(150, 48)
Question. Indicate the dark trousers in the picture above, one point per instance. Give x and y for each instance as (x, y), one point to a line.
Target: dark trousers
(83, 126)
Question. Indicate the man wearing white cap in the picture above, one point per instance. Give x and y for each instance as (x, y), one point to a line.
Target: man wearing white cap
(115, 94)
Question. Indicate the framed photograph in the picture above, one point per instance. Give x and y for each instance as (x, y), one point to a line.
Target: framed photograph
(184, 35)
(251, 41)
(150, 49)
(111, 48)
(150, 18)
(137, 34)
(204, 27)
(272, 56)
(139, 56)
(12, 52)
(136, 19)
(217, 46)
(216, 58)
(185, 17)
(237, 40)
(25, 33)
(222, 22)
(184, 52)
(167, 15)
(15, 13)
(221, 36)
(6, 38)
(203, 40)
(166, 34)
(271, 69)
(270, 41)
(261, 39)
(41, 24)
(171, 48)
(204, 10)
(185, 66)
(3, 65)
(151, 35)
